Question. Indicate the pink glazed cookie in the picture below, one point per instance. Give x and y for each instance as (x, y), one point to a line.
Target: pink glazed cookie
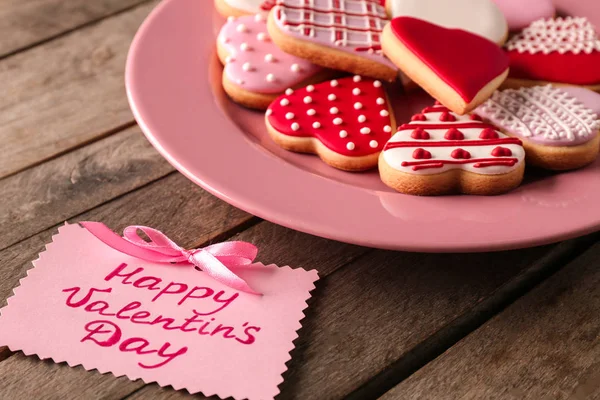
(256, 70)
(339, 34)
(559, 131)
(519, 13)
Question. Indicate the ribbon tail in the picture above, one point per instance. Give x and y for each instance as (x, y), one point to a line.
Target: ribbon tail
(219, 272)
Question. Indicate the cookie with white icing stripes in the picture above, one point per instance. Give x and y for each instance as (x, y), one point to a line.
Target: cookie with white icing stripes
(440, 152)
(338, 34)
(559, 51)
(238, 8)
(558, 130)
(345, 122)
(256, 70)
(480, 17)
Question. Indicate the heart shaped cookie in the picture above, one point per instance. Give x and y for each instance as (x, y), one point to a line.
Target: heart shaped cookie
(338, 34)
(440, 152)
(256, 70)
(562, 50)
(558, 130)
(481, 17)
(456, 67)
(346, 122)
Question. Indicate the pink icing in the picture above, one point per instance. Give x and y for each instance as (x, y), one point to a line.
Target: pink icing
(519, 13)
(587, 97)
(353, 26)
(255, 63)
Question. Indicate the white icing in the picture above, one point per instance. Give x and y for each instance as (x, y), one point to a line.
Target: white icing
(350, 146)
(334, 83)
(384, 113)
(316, 124)
(362, 118)
(343, 134)
(357, 78)
(295, 126)
(307, 100)
(365, 130)
(331, 97)
(334, 110)
(481, 17)
(289, 115)
(377, 84)
(356, 91)
(311, 112)
(310, 88)
(270, 78)
(289, 91)
(357, 106)
(295, 68)
(337, 121)
(563, 35)
(380, 101)
(373, 144)
(284, 102)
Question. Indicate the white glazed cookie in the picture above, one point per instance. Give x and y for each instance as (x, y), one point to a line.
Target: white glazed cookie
(481, 17)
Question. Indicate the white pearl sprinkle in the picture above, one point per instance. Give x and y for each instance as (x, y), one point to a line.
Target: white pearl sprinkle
(295, 126)
(307, 100)
(270, 78)
(384, 113)
(331, 97)
(284, 102)
(258, 17)
(229, 60)
(245, 47)
(373, 144)
(241, 28)
(311, 112)
(334, 83)
(334, 110)
(262, 37)
(380, 101)
(240, 82)
(356, 91)
(310, 88)
(343, 134)
(337, 121)
(231, 18)
(365, 130)
(316, 125)
(377, 84)
(362, 118)
(357, 106)
(357, 78)
(246, 66)
(295, 67)
(350, 146)
(289, 91)
(269, 58)
(269, 112)
(289, 115)
(387, 128)
(224, 39)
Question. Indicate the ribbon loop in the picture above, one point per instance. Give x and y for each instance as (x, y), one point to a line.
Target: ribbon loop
(215, 260)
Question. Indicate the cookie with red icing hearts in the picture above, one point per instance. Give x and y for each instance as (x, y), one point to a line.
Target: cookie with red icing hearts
(238, 8)
(480, 17)
(440, 152)
(458, 68)
(338, 34)
(346, 122)
(256, 70)
(562, 51)
(559, 131)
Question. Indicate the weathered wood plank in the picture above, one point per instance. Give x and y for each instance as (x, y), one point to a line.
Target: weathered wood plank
(25, 23)
(65, 93)
(369, 313)
(545, 345)
(45, 195)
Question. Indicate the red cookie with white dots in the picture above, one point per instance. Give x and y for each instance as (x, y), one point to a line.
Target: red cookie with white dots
(346, 122)
(440, 152)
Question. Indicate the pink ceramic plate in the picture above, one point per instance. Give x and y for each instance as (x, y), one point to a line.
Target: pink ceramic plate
(173, 83)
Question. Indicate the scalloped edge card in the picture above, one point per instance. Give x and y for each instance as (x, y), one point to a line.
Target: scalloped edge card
(87, 304)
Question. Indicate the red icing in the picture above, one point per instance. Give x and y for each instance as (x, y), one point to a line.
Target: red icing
(465, 125)
(447, 117)
(453, 143)
(435, 108)
(466, 62)
(478, 163)
(420, 134)
(329, 133)
(418, 117)
(577, 69)
(489, 133)
(437, 103)
(421, 154)
(475, 117)
(460, 154)
(501, 152)
(454, 134)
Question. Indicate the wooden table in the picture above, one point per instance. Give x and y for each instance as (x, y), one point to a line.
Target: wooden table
(515, 324)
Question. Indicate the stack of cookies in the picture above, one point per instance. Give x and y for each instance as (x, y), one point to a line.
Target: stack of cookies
(512, 84)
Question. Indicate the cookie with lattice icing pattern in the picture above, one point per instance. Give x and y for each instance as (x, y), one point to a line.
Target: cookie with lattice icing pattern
(256, 70)
(239, 8)
(440, 152)
(558, 131)
(558, 51)
(345, 122)
(338, 34)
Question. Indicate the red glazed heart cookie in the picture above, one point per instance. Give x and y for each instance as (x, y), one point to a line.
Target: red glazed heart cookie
(346, 122)
(563, 50)
(440, 152)
(458, 68)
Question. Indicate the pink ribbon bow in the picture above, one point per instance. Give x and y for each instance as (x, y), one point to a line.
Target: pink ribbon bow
(216, 259)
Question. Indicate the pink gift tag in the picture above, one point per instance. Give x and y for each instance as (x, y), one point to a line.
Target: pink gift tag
(86, 303)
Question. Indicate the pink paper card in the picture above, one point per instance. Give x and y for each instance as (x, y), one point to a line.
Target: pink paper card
(86, 303)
